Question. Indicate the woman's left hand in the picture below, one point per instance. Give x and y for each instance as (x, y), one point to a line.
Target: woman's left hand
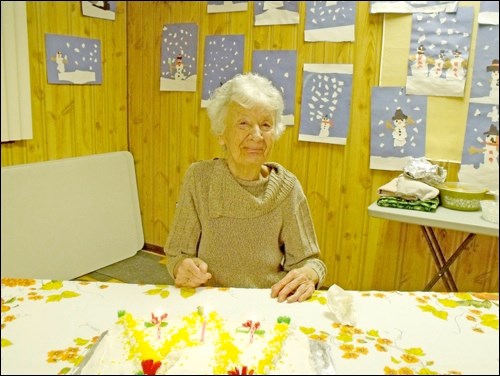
(297, 286)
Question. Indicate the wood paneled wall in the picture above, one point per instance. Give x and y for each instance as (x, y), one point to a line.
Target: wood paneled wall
(169, 130)
(74, 120)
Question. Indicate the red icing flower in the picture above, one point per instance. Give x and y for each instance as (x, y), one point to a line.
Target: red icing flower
(251, 325)
(149, 366)
(244, 371)
(155, 320)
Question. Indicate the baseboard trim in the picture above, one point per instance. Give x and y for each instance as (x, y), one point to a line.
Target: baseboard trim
(153, 248)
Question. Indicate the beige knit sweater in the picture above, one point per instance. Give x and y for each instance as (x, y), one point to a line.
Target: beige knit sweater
(250, 234)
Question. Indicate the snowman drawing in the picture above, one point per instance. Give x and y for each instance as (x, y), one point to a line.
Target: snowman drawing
(493, 69)
(437, 69)
(179, 68)
(399, 123)
(60, 61)
(325, 125)
(490, 149)
(420, 67)
(456, 71)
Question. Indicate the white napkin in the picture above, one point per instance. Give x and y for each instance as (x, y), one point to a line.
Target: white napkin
(340, 303)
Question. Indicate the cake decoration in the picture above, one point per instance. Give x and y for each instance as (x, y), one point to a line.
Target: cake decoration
(149, 366)
(199, 342)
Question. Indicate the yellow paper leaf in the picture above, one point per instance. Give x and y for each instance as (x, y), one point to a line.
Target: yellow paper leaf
(307, 331)
(427, 308)
(426, 371)
(52, 285)
(318, 297)
(463, 295)
(187, 292)
(417, 351)
(439, 314)
(64, 371)
(69, 294)
(481, 304)
(372, 333)
(53, 298)
(154, 291)
(319, 337)
(164, 294)
(6, 342)
(81, 341)
(490, 320)
(345, 337)
(449, 303)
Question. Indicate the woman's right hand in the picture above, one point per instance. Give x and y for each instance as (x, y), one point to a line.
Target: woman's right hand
(191, 272)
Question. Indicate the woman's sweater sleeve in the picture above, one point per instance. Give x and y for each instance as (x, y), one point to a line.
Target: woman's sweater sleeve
(186, 229)
(299, 237)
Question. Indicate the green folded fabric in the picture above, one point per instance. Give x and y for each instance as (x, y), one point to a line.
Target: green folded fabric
(400, 203)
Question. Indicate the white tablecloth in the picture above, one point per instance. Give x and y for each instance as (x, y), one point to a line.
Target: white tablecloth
(48, 325)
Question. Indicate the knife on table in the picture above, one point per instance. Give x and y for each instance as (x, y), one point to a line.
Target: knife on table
(88, 355)
(321, 358)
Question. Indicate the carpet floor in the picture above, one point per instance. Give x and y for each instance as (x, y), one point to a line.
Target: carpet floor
(143, 268)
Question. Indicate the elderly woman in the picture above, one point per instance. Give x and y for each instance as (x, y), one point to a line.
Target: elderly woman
(242, 221)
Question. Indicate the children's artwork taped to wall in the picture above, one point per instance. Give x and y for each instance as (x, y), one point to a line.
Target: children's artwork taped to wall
(488, 13)
(398, 128)
(413, 6)
(326, 103)
(439, 53)
(480, 151)
(223, 60)
(330, 21)
(99, 9)
(226, 6)
(73, 60)
(484, 86)
(179, 60)
(281, 68)
(276, 12)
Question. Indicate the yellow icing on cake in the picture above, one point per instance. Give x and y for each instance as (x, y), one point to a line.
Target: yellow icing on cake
(141, 348)
(226, 353)
(273, 350)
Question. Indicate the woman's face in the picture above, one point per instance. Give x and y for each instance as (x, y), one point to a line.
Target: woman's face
(249, 135)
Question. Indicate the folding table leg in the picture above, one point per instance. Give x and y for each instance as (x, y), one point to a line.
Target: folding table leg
(450, 261)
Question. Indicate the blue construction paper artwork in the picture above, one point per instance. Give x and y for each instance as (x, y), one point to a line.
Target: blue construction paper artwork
(276, 12)
(223, 60)
(280, 67)
(226, 6)
(330, 21)
(484, 86)
(398, 128)
(439, 53)
(73, 60)
(413, 6)
(326, 103)
(99, 9)
(179, 60)
(480, 151)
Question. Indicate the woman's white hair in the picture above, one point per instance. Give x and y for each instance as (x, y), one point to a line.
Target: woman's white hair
(248, 90)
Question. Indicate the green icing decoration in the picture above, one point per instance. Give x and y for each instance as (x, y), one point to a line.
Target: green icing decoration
(284, 319)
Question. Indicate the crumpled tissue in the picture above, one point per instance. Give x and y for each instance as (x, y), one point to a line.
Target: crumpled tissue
(340, 303)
